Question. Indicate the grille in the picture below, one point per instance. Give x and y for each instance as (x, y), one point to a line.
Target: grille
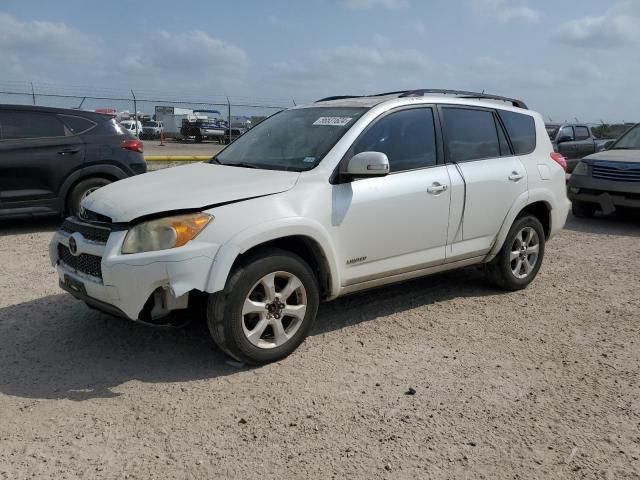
(90, 232)
(83, 263)
(620, 172)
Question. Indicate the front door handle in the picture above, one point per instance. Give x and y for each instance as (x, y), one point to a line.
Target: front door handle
(437, 188)
(515, 176)
(68, 151)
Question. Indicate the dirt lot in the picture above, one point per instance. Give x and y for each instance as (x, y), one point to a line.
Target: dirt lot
(536, 384)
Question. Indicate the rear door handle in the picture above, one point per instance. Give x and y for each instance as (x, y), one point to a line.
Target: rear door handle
(69, 151)
(437, 188)
(515, 176)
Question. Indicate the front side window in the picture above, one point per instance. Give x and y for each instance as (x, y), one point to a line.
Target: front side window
(629, 141)
(470, 134)
(296, 139)
(521, 129)
(582, 133)
(566, 132)
(25, 124)
(407, 138)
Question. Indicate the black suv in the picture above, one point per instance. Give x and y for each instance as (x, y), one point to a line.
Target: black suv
(51, 158)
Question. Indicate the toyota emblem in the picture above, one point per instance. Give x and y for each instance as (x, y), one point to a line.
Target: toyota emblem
(73, 246)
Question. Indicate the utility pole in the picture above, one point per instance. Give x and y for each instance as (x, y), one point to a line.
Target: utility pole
(135, 112)
(229, 117)
(33, 93)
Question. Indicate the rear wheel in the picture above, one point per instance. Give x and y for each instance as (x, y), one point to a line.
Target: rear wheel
(266, 309)
(520, 257)
(583, 210)
(82, 190)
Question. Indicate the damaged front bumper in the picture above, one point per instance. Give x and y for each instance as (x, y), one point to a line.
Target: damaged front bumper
(144, 286)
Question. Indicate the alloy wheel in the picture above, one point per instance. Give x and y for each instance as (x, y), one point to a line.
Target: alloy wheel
(524, 252)
(274, 310)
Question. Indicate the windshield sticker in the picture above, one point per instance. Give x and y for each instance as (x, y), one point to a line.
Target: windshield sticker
(309, 159)
(333, 121)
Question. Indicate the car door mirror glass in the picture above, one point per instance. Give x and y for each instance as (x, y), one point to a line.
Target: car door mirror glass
(368, 164)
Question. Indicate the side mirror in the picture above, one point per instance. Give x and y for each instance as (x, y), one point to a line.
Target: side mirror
(368, 164)
(565, 138)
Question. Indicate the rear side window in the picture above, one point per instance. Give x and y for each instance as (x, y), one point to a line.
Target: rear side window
(407, 138)
(77, 125)
(470, 134)
(17, 124)
(521, 129)
(582, 133)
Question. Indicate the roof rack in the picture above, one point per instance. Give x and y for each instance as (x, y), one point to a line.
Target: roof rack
(463, 94)
(346, 97)
(337, 97)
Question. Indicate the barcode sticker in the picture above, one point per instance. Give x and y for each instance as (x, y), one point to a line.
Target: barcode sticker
(333, 121)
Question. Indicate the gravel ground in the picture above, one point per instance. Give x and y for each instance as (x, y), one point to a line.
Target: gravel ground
(541, 383)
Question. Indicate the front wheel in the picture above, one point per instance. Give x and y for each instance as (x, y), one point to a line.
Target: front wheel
(82, 190)
(266, 309)
(520, 257)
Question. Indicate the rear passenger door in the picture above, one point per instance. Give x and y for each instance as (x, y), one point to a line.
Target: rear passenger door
(37, 153)
(479, 155)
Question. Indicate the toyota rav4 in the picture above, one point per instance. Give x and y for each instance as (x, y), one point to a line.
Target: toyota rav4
(317, 202)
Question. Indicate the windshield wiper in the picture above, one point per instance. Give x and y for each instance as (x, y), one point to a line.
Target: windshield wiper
(216, 161)
(243, 165)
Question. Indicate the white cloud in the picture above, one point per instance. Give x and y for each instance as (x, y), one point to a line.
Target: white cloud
(355, 70)
(619, 26)
(38, 48)
(364, 4)
(506, 11)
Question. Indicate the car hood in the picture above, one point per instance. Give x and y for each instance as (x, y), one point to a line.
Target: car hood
(196, 186)
(632, 156)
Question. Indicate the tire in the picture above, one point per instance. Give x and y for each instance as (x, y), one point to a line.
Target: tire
(81, 190)
(583, 210)
(252, 337)
(525, 233)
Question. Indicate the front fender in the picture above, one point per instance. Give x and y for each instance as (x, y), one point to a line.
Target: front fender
(265, 232)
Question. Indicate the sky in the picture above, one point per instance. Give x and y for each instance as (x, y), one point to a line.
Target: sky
(565, 59)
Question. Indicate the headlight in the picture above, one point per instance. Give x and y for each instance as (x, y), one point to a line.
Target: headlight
(164, 233)
(581, 169)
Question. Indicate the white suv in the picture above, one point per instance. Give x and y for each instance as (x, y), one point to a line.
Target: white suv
(317, 202)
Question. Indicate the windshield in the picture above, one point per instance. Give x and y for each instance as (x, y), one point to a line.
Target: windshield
(552, 130)
(629, 141)
(294, 139)
(151, 124)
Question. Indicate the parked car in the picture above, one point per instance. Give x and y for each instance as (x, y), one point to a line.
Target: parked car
(52, 158)
(133, 126)
(609, 179)
(317, 202)
(152, 130)
(202, 129)
(575, 141)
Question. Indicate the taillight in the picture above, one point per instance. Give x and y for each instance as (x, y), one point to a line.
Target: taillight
(559, 159)
(133, 144)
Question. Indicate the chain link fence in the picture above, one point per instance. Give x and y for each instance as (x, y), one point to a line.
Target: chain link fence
(238, 111)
